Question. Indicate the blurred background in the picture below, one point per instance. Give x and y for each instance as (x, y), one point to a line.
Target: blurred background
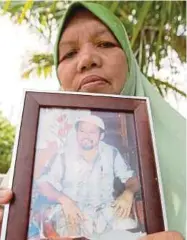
(156, 29)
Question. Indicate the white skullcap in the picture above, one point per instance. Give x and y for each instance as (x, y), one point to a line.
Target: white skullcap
(92, 119)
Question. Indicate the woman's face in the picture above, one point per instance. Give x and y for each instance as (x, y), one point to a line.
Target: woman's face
(90, 58)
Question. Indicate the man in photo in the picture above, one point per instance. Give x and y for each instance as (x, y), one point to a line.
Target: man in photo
(81, 181)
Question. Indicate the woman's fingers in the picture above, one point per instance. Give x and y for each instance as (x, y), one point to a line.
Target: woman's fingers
(5, 195)
(1, 215)
(163, 236)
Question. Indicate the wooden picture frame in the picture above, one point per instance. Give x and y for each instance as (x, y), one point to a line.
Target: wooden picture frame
(138, 125)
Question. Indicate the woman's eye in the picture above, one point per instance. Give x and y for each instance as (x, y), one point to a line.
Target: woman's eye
(69, 54)
(106, 44)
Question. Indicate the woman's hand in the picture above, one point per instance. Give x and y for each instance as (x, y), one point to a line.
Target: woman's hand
(5, 197)
(163, 236)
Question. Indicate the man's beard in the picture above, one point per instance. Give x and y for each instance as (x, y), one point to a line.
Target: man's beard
(87, 146)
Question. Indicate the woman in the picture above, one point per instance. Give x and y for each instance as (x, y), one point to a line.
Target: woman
(93, 54)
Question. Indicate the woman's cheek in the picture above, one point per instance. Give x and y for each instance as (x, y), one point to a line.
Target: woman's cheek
(61, 75)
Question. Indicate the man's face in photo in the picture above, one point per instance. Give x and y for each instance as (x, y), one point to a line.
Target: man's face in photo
(88, 135)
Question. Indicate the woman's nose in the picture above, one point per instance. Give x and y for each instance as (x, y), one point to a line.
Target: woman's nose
(89, 58)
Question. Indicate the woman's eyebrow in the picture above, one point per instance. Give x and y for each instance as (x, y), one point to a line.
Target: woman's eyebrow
(66, 43)
(98, 33)
(101, 32)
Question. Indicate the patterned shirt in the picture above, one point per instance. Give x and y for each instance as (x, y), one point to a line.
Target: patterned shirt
(88, 183)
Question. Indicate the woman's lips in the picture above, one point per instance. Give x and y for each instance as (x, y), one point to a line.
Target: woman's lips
(92, 80)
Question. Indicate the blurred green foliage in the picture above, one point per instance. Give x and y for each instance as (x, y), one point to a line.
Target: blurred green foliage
(7, 134)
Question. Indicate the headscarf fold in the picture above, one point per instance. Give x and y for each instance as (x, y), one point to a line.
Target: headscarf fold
(169, 125)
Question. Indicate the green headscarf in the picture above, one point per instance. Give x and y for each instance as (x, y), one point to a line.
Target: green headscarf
(169, 125)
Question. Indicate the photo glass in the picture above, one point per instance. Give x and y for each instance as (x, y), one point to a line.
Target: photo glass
(86, 180)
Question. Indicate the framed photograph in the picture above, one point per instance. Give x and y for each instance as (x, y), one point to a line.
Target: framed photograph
(84, 166)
